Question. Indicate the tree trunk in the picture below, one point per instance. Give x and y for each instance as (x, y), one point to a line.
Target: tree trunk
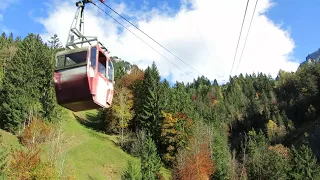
(121, 131)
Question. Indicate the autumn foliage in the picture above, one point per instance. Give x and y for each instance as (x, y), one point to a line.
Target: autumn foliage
(28, 165)
(197, 165)
(135, 74)
(35, 133)
(281, 149)
(175, 132)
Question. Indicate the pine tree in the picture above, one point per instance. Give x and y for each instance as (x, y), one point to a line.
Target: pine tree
(150, 161)
(304, 164)
(150, 117)
(132, 172)
(23, 85)
(165, 98)
(48, 96)
(183, 101)
(54, 42)
(220, 153)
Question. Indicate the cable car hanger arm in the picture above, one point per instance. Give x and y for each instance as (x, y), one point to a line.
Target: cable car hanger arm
(76, 38)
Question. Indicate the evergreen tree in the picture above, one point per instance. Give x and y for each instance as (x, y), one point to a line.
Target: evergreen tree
(54, 42)
(23, 86)
(132, 172)
(48, 96)
(165, 98)
(220, 152)
(150, 161)
(304, 164)
(150, 117)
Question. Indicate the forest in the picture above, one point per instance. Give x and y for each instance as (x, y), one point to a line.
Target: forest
(253, 127)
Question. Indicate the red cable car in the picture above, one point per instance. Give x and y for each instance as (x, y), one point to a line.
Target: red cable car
(84, 79)
(83, 76)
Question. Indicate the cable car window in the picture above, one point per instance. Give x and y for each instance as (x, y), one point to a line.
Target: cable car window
(93, 57)
(69, 62)
(72, 59)
(60, 61)
(76, 58)
(102, 69)
(110, 71)
(102, 65)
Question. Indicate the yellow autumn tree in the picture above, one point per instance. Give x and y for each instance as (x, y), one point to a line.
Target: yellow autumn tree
(122, 108)
(272, 129)
(175, 131)
(168, 136)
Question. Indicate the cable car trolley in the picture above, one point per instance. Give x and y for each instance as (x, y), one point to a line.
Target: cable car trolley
(84, 73)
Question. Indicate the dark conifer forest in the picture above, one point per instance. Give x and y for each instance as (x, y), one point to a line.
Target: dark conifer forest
(253, 127)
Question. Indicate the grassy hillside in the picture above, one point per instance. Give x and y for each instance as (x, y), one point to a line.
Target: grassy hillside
(9, 139)
(91, 154)
(88, 154)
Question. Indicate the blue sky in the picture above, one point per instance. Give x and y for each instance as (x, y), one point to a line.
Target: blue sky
(18, 16)
(299, 18)
(302, 18)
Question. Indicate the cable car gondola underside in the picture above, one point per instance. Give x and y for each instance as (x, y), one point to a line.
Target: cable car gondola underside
(83, 79)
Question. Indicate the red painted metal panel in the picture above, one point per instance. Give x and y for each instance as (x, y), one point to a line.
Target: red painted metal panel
(77, 87)
(72, 89)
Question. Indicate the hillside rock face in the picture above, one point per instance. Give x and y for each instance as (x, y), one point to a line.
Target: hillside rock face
(313, 57)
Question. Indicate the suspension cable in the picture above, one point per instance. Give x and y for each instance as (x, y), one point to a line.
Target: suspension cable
(150, 37)
(235, 54)
(140, 38)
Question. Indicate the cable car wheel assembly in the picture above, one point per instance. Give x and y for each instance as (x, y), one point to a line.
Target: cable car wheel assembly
(84, 73)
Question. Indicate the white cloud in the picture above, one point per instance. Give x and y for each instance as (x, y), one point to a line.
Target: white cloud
(1, 17)
(268, 48)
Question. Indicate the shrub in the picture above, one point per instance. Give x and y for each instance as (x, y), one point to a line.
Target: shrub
(35, 133)
(28, 165)
(132, 172)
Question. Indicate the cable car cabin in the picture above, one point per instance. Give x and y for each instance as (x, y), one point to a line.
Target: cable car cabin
(84, 79)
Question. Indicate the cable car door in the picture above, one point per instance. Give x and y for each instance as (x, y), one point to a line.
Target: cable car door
(100, 84)
(110, 81)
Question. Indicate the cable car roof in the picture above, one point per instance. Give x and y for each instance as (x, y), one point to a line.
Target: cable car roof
(70, 51)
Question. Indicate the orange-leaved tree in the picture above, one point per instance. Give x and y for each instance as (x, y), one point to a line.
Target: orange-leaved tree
(27, 164)
(135, 74)
(35, 133)
(195, 161)
(197, 164)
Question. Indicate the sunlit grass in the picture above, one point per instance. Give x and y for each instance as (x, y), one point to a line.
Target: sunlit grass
(88, 154)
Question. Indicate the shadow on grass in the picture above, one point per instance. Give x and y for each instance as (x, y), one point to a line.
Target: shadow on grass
(91, 121)
(94, 125)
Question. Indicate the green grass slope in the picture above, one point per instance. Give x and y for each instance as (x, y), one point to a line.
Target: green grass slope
(87, 154)
(94, 155)
(9, 140)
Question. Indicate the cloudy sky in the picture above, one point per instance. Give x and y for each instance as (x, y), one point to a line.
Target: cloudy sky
(202, 33)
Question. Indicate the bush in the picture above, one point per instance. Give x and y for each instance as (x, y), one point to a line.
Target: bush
(132, 143)
(44, 170)
(35, 133)
(3, 159)
(28, 165)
